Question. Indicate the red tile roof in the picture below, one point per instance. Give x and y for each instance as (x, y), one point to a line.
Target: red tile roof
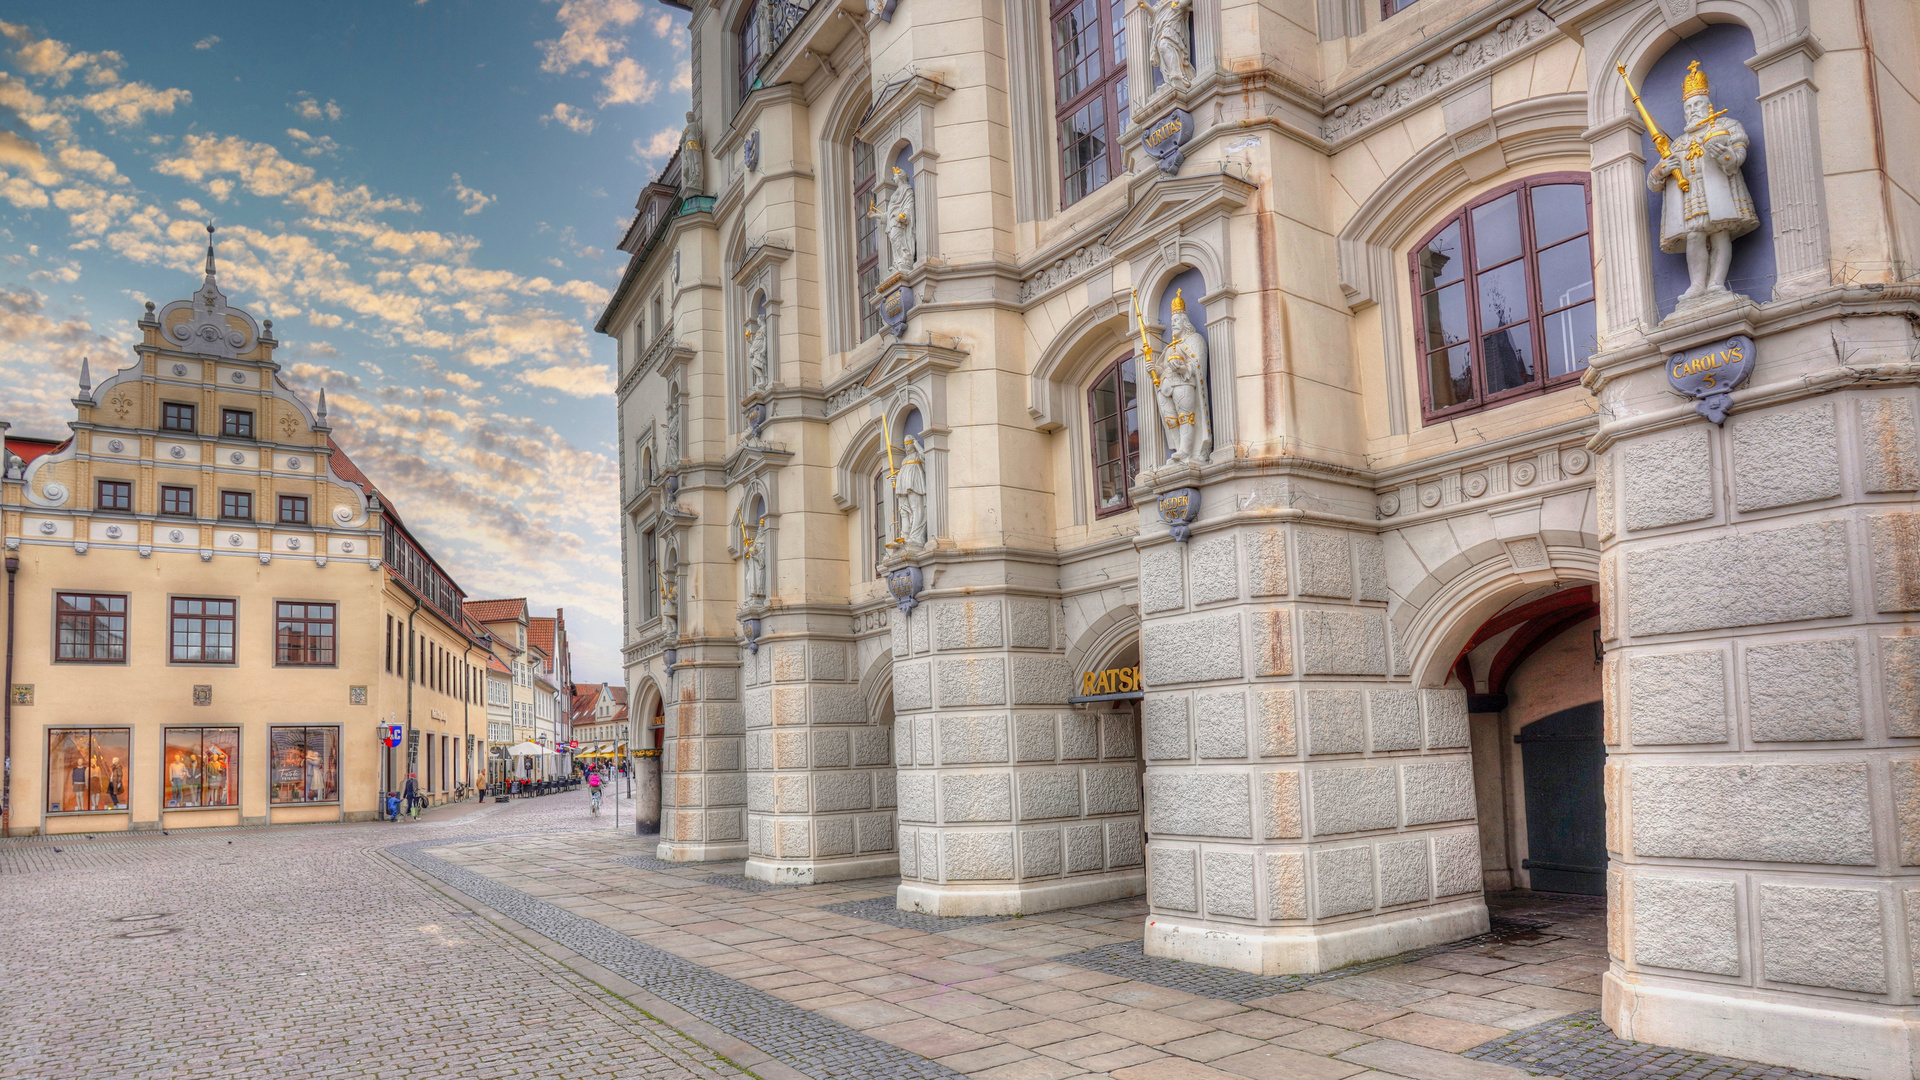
(28, 448)
(489, 611)
(345, 469)
(494, 664)
(619, 694)
(540, 634)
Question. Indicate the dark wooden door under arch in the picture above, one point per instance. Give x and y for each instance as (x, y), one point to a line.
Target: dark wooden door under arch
(1563, 758)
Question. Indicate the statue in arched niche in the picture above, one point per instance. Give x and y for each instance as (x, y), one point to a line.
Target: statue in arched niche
(670, 604)
(897, 219)
(753, 548)
(910, 493)
(758, 372)
(673, 432)
(1705, 204)
(1167, 33)
(1180, 389)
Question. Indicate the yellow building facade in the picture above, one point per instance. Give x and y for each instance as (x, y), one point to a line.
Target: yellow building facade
(213, 618)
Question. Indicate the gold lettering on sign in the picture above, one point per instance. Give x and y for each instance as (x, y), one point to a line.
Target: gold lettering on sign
(1124, 680)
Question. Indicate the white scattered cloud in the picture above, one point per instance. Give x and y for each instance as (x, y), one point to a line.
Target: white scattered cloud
(588, 34)
(682, 78)
(128, 104)
(207, 42)
(627, 84)
(659, 148)
(472, 199)
(573, 119)
(307, 107)
(312, 145)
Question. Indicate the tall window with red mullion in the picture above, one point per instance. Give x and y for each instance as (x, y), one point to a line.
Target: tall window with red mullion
(1504, 303)
(1089, 92)
(1113, 428)
(866, 237)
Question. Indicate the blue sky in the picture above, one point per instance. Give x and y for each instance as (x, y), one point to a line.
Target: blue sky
(423, 196)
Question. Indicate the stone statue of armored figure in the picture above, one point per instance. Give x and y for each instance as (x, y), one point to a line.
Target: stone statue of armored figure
(1705, 203)
(758, 373)
(692, 160)
(669, 606)
(672, 457)
(1167, 33)
(1180, 389)
(910, 493)
(897, 219)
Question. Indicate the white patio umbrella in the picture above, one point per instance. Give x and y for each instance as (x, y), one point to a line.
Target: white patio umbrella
(526, 749)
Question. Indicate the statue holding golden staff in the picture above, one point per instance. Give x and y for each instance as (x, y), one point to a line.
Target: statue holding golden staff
(1705, 203)
(1180, 389)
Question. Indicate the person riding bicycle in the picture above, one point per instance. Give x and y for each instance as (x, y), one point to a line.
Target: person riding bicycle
(593, 786)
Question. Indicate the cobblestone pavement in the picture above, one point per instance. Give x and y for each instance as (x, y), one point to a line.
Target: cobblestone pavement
(1580, 1045)
(1015, 998)
(298, 952)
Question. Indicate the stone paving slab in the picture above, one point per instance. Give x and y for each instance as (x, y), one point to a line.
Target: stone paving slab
(816, 1046)
(1580, 1047)
(1129, 959)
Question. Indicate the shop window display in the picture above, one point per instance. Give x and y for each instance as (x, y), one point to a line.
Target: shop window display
(87, 769)
(202, 767)
(306, 764)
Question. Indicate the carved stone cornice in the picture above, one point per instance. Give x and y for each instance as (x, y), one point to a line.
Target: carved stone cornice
(1080, 261)
(662, 354)
(902, 91)
(904, 361)
(749, 460)
(1435, 69)
(761, 253)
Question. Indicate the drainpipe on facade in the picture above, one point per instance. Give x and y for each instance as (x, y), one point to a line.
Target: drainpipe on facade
(466, 709)
(406, 743)
(6, 763)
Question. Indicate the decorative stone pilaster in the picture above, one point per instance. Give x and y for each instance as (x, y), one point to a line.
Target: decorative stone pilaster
(1010, 802)
(819, 771)
(1759, 591)
(703, 792)
(1305, 809)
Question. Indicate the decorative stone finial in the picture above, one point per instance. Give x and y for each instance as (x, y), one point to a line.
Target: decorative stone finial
(210, 271)
(86, 379)
(322, 414)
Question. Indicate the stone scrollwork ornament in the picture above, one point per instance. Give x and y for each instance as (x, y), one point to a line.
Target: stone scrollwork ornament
(1167, 31)
(1705, 203)
(692, 160)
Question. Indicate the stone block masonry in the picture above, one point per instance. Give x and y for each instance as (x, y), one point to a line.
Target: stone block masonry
(1010, 802)
(1306, 808)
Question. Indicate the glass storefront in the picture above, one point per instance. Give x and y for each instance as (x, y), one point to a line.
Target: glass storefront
(202, 767)
(87, 769)
(305, 763)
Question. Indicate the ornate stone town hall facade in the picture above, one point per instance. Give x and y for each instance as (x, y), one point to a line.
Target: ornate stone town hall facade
(1307, 464)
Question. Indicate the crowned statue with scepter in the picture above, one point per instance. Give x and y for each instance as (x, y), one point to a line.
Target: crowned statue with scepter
(1180, 386)
(753, 552)
(1705, 204)
(897, 219)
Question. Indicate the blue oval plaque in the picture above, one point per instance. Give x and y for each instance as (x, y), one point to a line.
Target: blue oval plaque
(1708, 374)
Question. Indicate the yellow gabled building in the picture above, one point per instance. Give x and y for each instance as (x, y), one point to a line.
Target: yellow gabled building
(212, 616)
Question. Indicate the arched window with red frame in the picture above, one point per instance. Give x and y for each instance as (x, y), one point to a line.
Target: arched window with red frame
(1503, 296)
(1113, 430)
(1089, 92)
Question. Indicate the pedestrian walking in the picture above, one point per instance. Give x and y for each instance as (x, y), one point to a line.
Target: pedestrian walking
(393, 806)
(593, 786)
(480, 790)
(412, 795)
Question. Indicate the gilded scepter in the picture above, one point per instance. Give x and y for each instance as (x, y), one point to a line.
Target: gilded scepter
(1660, 140)
(1146, 345)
